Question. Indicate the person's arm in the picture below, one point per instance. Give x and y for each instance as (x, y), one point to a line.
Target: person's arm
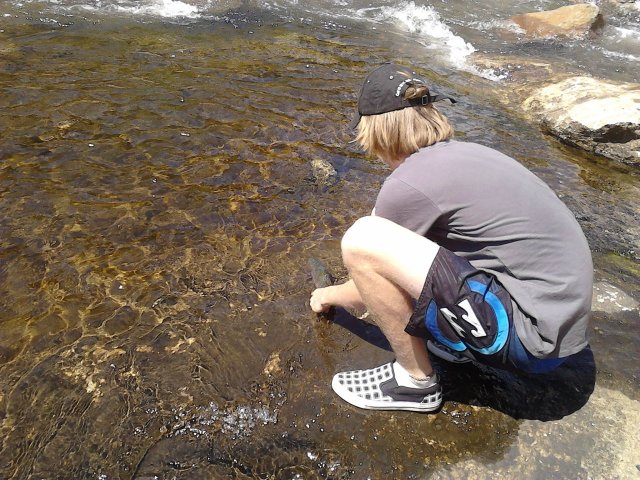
(345, 295)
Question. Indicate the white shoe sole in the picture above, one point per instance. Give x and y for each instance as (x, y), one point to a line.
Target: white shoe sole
(344, 382)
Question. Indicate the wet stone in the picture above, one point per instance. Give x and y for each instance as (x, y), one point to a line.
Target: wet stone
(610, 299)
(323, 173)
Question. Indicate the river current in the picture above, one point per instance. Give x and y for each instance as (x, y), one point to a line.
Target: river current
(159, 207)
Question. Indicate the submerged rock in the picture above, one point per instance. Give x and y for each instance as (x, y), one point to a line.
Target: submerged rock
(592, 114)
(323, 172)
(610, 299)
(575, 21)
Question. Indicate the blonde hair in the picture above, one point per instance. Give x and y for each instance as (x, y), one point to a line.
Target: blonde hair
(398, 134)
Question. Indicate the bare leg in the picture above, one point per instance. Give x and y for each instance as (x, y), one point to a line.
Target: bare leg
(389, 265)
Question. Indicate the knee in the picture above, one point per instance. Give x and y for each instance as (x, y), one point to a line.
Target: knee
(360, 241)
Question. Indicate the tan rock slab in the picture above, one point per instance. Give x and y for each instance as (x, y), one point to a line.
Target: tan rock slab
(573, 21)
(600, 441)
(599, 116)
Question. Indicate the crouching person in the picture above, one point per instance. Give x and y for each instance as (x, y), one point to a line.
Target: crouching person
(467, 255)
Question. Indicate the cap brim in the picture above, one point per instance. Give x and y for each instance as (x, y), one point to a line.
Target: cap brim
(355, 121)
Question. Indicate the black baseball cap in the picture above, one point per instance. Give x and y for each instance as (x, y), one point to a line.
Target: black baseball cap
(383, 91)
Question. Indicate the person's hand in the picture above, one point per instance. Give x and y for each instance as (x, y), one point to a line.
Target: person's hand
(319, 301)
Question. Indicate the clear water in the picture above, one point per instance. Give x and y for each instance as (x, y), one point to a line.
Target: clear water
(449, 32)
(158, 210)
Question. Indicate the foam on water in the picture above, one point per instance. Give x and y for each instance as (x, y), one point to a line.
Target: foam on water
(427, 24)
(433, 33)
(622, 56)
(161, 8)
(621, 43)
(622, 33)
(423, 22)
(157, 8)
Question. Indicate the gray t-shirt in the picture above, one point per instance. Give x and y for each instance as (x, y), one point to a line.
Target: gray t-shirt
(489, 209)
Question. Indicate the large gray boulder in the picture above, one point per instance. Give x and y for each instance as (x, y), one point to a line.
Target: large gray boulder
(598, 116)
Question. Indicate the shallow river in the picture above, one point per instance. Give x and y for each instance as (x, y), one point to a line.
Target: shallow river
(158, 210)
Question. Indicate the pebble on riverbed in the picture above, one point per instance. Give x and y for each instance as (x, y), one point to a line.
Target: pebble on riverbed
(323, 173)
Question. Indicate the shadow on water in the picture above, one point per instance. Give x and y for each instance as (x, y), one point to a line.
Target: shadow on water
(364, 330)
(545, 397)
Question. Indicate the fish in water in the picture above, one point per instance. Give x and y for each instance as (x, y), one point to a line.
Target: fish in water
(320, 273)
(321, 278)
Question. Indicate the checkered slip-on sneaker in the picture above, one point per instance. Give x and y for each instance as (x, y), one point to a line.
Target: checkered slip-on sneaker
(377, 389)
(445, 353)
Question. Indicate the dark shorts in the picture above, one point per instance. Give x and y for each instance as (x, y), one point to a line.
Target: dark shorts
(470, 312)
